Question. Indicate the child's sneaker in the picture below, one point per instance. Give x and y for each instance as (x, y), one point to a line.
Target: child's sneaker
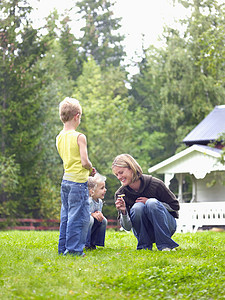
(169, 249)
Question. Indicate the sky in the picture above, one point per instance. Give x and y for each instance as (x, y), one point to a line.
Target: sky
(142, 20)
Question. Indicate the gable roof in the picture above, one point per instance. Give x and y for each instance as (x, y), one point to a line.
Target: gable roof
(197, 160)
(209, 129)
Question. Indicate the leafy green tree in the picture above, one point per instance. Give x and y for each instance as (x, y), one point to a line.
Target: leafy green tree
(111, 128)
(101, 39)
(204, 35)
(57, 88)
(152, 89)
(9, 181)
(180, 83)
(20, 49)
(70, 45)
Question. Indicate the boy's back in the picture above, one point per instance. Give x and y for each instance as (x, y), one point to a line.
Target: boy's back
(72, 147)
(69, 151)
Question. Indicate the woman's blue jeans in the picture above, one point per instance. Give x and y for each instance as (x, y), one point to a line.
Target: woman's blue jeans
(152, 223)
(96, 232)
(75, 217)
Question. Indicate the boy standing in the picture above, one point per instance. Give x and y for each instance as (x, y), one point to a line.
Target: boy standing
(98, 223)
(72, 148)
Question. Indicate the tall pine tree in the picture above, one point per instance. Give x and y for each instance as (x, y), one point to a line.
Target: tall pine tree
(70, 44)
(21, 115)
(101, 39)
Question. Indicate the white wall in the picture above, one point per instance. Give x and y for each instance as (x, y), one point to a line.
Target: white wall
(208, 193)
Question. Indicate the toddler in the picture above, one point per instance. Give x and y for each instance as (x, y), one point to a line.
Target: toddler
(98, 223)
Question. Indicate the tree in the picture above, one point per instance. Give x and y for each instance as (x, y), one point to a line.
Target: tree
(20, 49)
(100, 39)
(204, 41)
(111, 128)
(178, 83)
(69, 45)
(155, 90)
(57, 88)
(9, 172)
(109, 125)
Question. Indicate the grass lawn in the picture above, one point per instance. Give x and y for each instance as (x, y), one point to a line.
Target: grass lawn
(32, 269)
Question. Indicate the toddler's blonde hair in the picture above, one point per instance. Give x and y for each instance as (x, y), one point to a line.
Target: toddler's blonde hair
(93, 181)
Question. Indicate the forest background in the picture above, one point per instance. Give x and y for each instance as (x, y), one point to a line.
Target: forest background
(146, 115)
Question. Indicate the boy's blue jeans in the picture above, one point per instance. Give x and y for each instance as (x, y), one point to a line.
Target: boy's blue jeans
(75, 217)
(152, 223)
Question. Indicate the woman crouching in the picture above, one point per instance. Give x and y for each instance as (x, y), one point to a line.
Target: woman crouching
(145, 205)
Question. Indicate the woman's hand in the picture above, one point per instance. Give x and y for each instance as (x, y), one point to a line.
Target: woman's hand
(141, 199)
(120, 205)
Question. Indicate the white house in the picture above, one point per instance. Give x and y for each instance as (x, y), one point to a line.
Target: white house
(201, 165)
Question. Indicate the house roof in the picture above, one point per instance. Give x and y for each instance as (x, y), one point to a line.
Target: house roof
(197, 160)
(209, 129)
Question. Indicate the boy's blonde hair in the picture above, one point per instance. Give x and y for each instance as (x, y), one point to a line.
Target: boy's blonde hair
(93, 181)
(127, 161)
(68, 108)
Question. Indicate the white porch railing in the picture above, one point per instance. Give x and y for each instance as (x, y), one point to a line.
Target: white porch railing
(195, 215)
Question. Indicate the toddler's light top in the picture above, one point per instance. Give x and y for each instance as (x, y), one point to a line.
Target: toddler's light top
(95, 205)
(67, 146)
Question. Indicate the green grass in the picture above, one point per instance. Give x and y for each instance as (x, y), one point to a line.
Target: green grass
(32, 269)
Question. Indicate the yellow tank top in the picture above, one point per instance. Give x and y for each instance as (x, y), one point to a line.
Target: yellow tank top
(66, 143)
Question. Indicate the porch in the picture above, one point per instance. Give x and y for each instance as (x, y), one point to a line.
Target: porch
(192, 216)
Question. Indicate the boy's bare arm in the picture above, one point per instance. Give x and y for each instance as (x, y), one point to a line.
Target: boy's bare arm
(82, 143)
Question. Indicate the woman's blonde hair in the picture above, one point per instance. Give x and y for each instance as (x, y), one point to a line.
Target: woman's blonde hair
(68, 108)
(127, 161)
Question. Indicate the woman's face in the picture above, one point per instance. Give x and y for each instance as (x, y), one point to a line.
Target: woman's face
(124, 175)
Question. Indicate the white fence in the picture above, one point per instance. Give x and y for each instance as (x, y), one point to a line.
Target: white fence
(195, 215)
